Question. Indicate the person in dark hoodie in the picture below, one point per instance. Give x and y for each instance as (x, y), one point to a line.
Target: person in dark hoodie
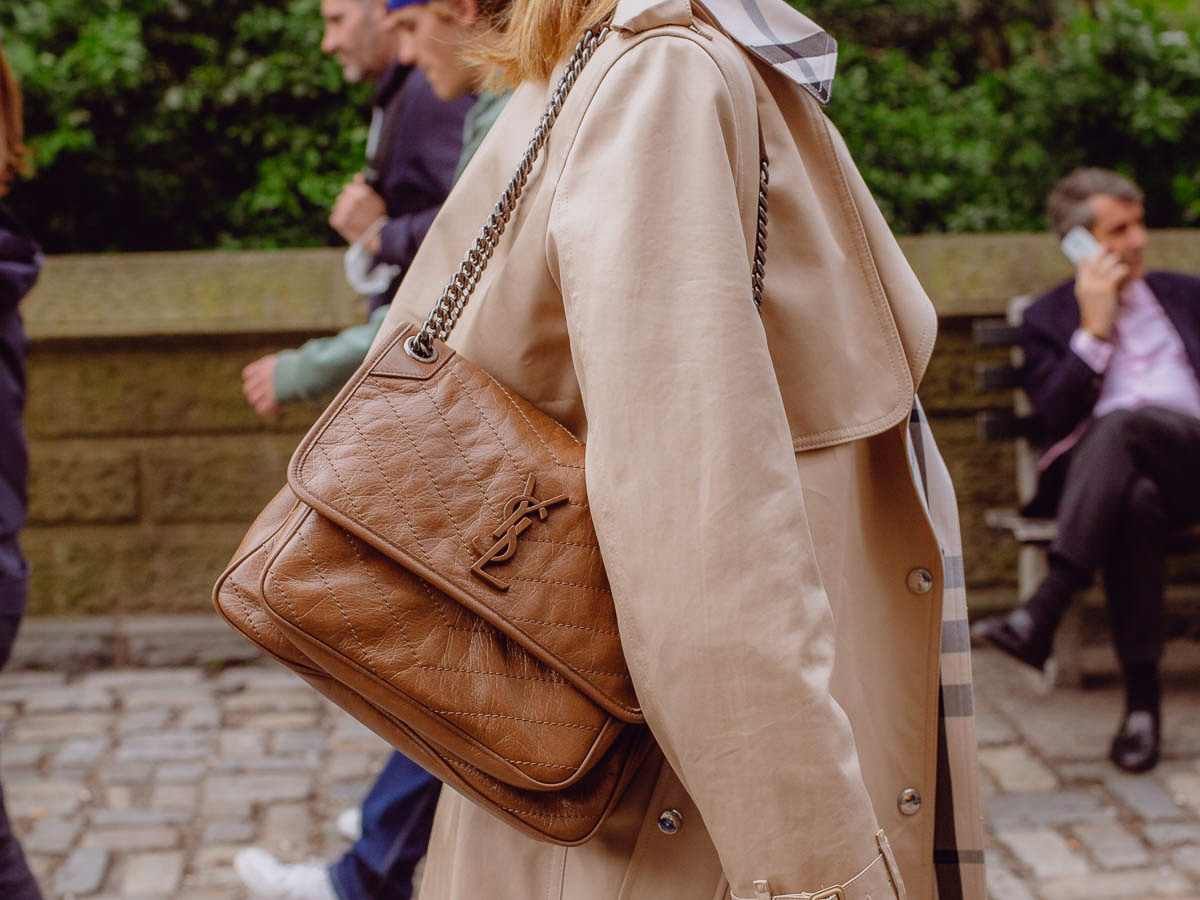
(20, 262)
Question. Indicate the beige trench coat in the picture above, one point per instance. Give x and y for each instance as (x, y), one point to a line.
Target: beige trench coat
(780, 588)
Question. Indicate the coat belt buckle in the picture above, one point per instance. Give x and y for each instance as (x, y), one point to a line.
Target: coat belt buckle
(834, 893)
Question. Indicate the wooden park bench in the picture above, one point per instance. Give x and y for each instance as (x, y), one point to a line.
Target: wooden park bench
(1033, 535)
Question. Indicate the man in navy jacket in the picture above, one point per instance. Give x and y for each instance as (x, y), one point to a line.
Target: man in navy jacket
(1112, 366)
(383, 212)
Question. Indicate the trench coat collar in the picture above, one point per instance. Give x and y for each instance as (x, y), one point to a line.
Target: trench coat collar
(785, 39)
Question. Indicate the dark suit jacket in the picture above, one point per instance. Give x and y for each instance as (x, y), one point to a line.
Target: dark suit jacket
(1061, 386)
(413, 167)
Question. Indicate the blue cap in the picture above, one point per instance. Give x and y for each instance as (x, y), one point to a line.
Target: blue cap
(398, 4)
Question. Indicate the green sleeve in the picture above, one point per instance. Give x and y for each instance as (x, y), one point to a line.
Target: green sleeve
(322, 365)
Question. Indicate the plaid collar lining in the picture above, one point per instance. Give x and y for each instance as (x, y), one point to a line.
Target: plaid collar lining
(785, 39)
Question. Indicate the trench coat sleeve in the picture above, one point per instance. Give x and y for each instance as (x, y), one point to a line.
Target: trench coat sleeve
(692, 478)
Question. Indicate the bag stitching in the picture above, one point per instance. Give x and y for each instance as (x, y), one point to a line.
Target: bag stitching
(399, 504)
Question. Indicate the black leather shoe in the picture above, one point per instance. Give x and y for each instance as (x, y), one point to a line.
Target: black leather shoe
(1017, 635)
(1135, 748)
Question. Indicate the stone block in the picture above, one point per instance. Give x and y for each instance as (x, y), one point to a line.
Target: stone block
(1112, 845)
(82, 873)
(181, 773)
(168, 747)
(45, 798)
(69, 699)
(125, 840)
(143, 721)
(62, 726)
(174, 796)
(1002, 883)
(232, 794)
(185, 640)
(93, 570)
(286, 826)
(1187, 859)
(1118, 885)
(1043, 852)
(1185, 789)
(52, 835)
(224, 831)
(1172, 834)
(1016, 770)
(81, 752)
(69, 645)
(1147, 799)
(156, 874)
(80, 482)
(198, 292)
(100, 391)
(215, 478)
(1023, 812)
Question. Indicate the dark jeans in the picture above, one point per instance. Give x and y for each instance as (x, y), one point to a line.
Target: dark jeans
(1133, 477)
(16, 881)
(397, 817)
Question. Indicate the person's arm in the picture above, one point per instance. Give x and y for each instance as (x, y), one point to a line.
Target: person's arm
(318, 367)
(323, 365)
(1062, 380)
(692, 477)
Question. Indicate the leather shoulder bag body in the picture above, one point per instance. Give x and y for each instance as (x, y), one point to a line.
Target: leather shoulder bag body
(432, 568)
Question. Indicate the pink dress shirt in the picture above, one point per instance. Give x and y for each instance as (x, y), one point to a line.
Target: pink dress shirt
(1144, 364)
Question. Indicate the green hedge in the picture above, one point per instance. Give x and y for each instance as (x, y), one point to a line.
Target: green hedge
(181, 123)
(164, 124)
(949, 144)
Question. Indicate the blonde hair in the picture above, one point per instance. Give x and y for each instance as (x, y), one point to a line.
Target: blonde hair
(12, 151)
(527, 37)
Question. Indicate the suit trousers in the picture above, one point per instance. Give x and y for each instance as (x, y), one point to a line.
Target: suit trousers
(1131, 479)
(397, 817)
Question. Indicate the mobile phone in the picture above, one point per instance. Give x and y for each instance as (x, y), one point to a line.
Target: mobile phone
(1079, 244)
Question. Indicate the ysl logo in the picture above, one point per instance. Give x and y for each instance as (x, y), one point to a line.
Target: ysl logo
(519, 513)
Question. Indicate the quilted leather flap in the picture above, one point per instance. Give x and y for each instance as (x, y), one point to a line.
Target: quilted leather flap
(463, 482)
(419, 656)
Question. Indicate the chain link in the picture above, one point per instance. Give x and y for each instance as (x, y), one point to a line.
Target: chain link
(759, 270)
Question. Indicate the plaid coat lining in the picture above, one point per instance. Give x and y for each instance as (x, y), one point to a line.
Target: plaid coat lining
(958, 819)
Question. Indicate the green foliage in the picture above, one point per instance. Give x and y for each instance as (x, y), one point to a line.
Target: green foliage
(965, 148)
(170, 124)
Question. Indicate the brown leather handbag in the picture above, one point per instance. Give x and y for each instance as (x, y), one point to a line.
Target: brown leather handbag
(432, 568)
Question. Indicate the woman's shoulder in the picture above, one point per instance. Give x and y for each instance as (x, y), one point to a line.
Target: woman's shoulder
(698, 49)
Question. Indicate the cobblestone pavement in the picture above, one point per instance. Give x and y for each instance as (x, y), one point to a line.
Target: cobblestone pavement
(142, 783)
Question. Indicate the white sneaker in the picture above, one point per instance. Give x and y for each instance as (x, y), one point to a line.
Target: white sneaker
(349, 823)
(269, 879)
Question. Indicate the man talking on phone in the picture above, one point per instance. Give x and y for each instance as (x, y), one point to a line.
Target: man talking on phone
(1112, 360)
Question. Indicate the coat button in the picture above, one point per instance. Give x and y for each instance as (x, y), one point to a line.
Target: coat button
(909, 802)
(920, 581)
(670, 821)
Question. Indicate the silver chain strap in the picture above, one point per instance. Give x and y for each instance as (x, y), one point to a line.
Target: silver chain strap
(759, 270)
(444, 315)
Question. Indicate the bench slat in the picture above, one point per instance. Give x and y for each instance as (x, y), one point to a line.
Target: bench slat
(995, 333)
(997, 377)
(1002, 425)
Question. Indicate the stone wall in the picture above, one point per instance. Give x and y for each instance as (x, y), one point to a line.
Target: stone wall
(147, 465)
